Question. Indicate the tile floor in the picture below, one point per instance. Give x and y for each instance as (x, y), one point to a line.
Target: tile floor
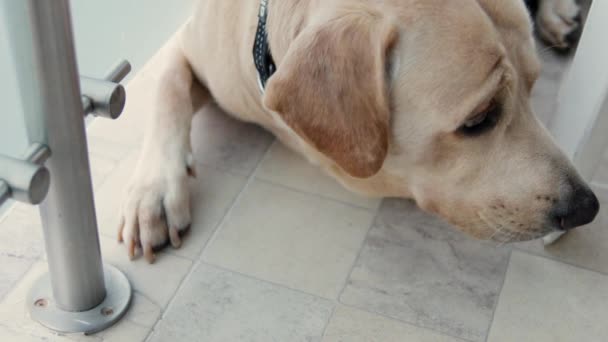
(279, 252)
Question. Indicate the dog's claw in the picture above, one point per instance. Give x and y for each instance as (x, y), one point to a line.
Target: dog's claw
(190, 166)
(149, 254)
(121, 227)
(191, 171)
(131, 249)
(176, 241)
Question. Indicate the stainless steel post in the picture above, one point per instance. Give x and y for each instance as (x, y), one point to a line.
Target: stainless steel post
(81, 299)
(68, 214)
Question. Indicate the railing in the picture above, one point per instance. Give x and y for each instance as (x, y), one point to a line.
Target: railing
(79, 293)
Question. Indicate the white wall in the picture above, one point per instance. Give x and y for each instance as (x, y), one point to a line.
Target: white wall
(581, 122)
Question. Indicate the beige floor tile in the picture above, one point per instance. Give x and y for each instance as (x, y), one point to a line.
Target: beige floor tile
(353, 325)
(21, 233)
(584, 247)
(212, 193)
(285, 167)
(107, 149)
(16, 325)
(601, 174)
(221, 141)
(13, 334)
(125, 332)
(110, 196)
(100, 168)
(12, 269)
(8, 334)
(415, 268)
(142, 311)
(157, 282)
(218, 305)
(547, 301)
(104, 155)
(290, 238)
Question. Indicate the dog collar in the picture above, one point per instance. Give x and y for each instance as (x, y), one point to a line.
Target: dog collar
(262, 57)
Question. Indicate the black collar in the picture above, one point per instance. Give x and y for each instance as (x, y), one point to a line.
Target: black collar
(261, 49)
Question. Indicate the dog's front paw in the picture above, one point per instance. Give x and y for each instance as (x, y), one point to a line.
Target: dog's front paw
(157, 207)
(559, 22)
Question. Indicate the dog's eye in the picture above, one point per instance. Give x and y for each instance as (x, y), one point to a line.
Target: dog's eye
(483, 121)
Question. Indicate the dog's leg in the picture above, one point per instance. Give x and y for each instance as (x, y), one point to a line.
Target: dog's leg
(157, 206)
(558, 22)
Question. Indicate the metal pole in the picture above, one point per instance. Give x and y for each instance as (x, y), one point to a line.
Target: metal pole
(42, 41)
(68, 214)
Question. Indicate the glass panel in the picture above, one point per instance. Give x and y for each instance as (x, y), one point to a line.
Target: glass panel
(110, 30)
(13, 135)
(105, 32)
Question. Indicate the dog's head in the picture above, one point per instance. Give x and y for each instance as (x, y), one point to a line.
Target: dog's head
(431, 100)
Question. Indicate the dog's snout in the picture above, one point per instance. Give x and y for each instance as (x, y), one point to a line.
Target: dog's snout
(577, 209)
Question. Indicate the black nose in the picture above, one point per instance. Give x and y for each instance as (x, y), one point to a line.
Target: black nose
(580, 208)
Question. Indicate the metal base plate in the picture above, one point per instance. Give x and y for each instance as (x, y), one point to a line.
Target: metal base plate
(43, 309)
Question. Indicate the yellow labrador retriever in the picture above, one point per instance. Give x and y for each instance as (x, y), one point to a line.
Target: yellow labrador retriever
(422, 99)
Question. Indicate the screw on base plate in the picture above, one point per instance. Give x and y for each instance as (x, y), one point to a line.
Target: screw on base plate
(43, 309)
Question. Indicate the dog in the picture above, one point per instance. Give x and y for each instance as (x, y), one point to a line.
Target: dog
(419, 99)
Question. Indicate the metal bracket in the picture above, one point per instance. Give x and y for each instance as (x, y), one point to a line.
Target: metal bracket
(25, 180)
(106, 97)
(28, 180)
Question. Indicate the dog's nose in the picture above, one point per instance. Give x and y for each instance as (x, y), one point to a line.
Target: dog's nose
(580, 208)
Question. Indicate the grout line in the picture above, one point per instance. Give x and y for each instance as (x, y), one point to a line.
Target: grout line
(146, 297)
(560, 261)
(247, 276)
(107, 175)
(502, 285)
(336, 302)
(358, 256)
(20, 279)
(601, 186)
(345, 284)
(196, 262)
(352, 267)
(221, 219)
(328, 320)
(6, 209)
(399, 320)
(217, 166)
(236, 200)
(266, 281)
(102, 333)
(314, 194)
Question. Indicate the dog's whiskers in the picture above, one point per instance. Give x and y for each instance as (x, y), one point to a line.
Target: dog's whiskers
(509, 236)
(502, 234)
(498, 229)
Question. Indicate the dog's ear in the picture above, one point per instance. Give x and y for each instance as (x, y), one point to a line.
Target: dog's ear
(331, 88)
